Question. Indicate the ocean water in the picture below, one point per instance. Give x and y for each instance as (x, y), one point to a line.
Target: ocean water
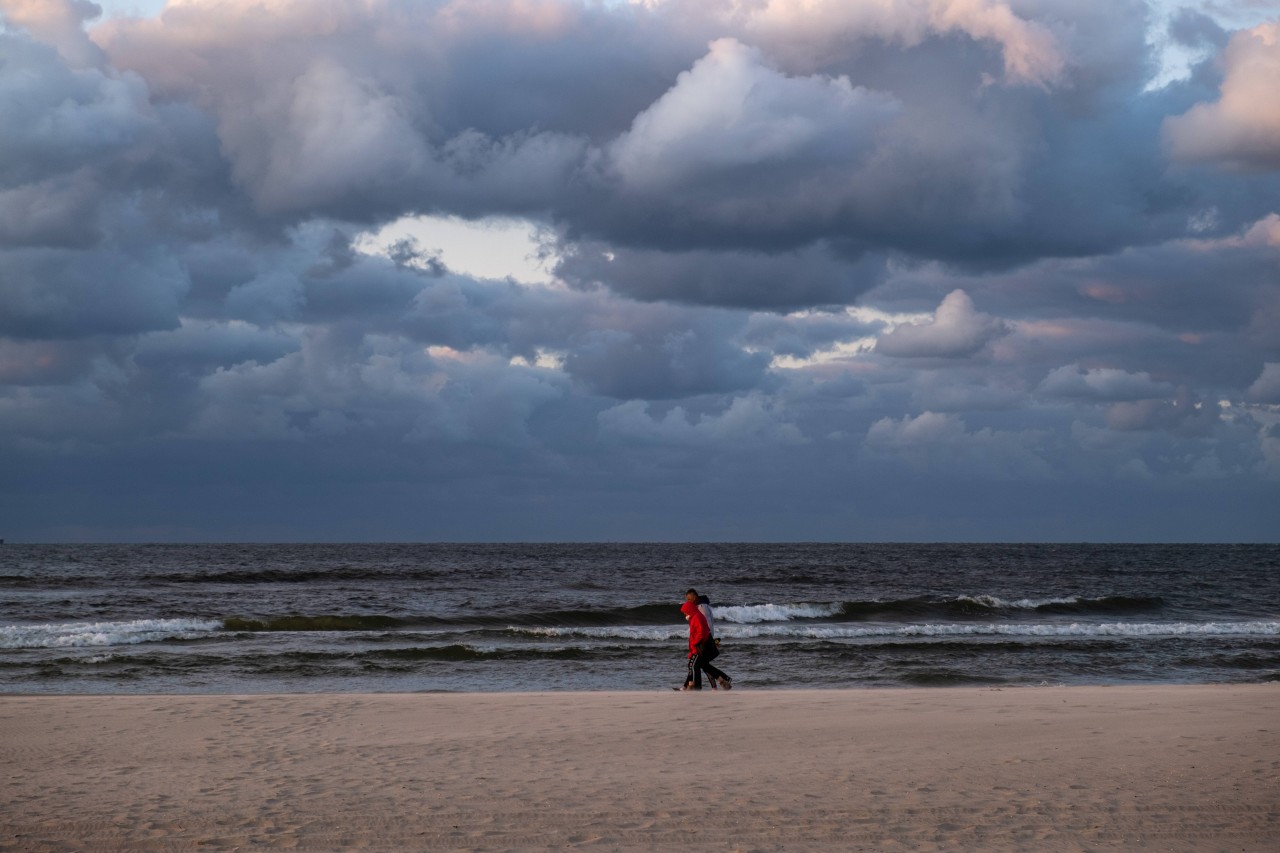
(405, 617)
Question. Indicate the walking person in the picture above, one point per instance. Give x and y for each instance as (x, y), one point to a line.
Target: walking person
(701, 649)
(711, 648)
(704, 604)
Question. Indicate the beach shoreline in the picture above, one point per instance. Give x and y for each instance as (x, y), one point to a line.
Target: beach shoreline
(1170, 767)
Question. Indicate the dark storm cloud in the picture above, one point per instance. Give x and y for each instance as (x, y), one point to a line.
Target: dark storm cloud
(958, 131)
(821, 269)
(49, 293)
(65, 130)
(657, 355)
(722, 131)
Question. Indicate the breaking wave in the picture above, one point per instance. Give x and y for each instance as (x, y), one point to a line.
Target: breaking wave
(71, 634)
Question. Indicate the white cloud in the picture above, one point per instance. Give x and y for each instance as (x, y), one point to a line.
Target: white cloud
(957, 330)
(732, 111)
(1241, 128)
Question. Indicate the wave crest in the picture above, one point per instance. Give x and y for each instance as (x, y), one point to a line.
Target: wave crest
(754, 613)
(72, 634)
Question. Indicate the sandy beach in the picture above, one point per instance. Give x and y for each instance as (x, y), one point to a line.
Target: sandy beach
(1052, 768)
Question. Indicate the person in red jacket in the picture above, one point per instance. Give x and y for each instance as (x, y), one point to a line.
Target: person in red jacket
(700, 651)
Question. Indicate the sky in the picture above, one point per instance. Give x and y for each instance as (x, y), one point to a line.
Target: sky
(551, 270)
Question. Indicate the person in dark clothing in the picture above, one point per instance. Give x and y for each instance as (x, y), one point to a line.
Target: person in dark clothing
(701, 650)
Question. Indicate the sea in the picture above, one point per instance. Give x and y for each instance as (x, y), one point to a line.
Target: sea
(301, 618)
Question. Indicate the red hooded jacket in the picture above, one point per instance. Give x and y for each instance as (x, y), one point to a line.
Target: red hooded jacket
(698, 628)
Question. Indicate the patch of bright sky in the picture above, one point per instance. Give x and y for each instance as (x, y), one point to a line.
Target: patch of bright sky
(845, 350)
(130, 8)
(486, 248)
(1176, 61)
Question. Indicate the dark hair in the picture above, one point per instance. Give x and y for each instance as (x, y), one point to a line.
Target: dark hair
(690, 591)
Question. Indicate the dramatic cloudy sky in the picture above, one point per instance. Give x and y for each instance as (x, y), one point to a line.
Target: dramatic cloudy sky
(675, 269)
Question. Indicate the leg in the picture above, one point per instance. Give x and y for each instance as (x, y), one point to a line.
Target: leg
(694, 678)
(715, 675)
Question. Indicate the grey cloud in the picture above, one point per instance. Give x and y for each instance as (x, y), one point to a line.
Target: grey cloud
(1266, 388)
(60, 211)
(26, 363)
(58, 119)
(1102, 383)
(802, 335)
(376, 386)
(58, 22)
(1185, 414)
(663, 356)
(1192, 28)
(208, 345)
(859, 147)
(955, 391)
(931, 437)
(65, 130)
(46, 293)
(748, 421)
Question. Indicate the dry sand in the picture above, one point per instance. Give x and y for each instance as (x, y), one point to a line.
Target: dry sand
(1077, 768)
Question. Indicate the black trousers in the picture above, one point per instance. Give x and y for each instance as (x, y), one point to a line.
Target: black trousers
(701, 662)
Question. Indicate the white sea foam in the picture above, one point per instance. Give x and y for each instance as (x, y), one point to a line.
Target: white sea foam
(73, 634)
(997, 603)
(748, 614)
(853, 632)
(621, 632)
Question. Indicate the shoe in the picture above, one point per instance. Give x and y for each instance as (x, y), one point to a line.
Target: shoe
(726, 683)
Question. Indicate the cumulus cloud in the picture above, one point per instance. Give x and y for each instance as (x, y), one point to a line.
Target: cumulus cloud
(1102, 383)
(957, 330)
(1030, 51)
(660, 354)
(69, 134)
(1242, 127)
(756, 148)
(1266, 388)
(48, 295)
(731, 114)
(749, 422)
(1184, 414)
(59, 23)
(943, 441)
